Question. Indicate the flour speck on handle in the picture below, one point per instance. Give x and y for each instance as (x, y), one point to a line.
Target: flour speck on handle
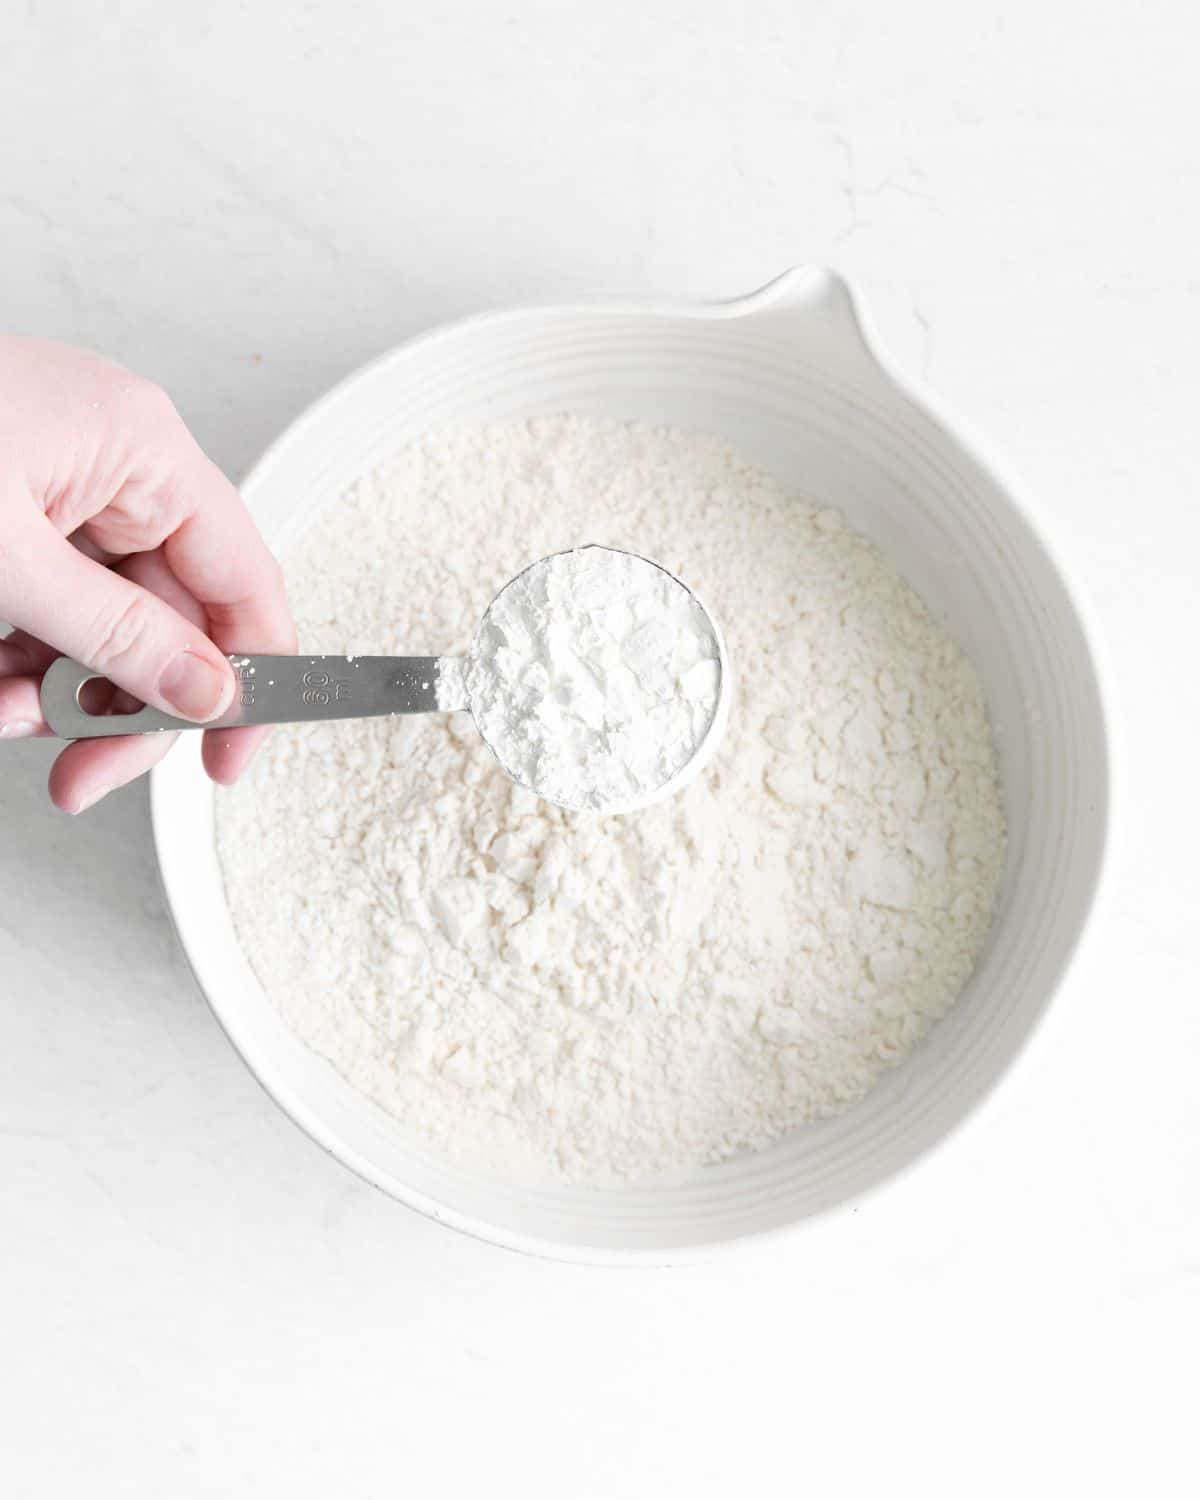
(548, 995)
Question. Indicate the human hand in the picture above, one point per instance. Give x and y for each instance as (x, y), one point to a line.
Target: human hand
(122, 546)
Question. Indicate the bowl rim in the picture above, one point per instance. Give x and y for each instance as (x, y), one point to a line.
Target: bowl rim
(810, 282)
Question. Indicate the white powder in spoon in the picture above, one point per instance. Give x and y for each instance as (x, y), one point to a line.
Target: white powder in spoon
(594, 678)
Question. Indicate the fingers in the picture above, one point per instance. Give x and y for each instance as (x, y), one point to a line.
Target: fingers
(88, 770)
(164, 492)
(216, 557)
(198, 581)
(219, 556)
(82, 542)
(121, 630)
(150, 570)
(225, 752)
(25, 653)
(20, 708)
(13, 659)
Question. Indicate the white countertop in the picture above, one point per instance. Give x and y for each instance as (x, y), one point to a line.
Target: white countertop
(245, 202)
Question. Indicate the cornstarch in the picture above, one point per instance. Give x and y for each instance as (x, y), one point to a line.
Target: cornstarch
(548, 995)
(594, 678)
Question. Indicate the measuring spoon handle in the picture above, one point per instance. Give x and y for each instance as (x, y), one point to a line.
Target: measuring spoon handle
(270, 690)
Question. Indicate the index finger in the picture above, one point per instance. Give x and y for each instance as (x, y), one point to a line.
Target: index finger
(219, 556)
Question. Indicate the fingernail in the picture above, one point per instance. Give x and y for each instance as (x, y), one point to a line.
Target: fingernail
(91, 798)
(193, 687)
(19, 729)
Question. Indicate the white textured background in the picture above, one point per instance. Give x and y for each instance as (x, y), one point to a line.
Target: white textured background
(245, 201)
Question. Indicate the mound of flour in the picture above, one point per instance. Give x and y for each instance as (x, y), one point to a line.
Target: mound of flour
(549, 995)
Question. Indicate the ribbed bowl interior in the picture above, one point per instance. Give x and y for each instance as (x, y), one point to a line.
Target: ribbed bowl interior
(791, 384)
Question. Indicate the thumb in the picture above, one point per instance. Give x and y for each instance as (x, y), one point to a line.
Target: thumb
(109, 624)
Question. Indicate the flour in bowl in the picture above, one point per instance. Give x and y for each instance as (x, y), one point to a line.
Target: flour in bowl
(546, 995)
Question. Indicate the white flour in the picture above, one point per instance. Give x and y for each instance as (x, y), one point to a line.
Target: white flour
(594, 678)
(548, 995)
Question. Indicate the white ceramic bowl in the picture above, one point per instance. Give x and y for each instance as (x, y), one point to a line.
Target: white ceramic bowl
(788, 376)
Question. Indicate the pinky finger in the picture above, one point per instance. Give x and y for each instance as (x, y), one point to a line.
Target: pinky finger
(89, 769)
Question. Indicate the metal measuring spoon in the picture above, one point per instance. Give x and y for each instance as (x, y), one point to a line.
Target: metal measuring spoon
(310, 689)
(271, 690)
